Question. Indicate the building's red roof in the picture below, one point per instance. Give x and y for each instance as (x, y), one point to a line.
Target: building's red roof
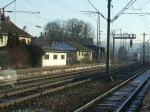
(7, 26)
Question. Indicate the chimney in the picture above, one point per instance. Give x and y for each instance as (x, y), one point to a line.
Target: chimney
(24, 28)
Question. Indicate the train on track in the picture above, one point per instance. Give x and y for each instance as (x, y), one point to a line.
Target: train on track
(136, 56)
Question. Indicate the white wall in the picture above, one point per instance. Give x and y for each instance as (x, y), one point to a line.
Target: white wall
(53, 62)
(4, 41)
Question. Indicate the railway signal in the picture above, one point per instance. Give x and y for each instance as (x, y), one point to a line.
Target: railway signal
(131, 43)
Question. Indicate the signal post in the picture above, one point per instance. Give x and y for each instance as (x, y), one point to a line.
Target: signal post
(122, 36)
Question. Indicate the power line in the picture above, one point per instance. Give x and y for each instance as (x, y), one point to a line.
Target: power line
(97, 10)
(64, 6)
(142, 21)
(123, 10)
(31, 12)
(145, 4)
(136, 13)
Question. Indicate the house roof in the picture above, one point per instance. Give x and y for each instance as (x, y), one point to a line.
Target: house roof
(51, 49)
(40, 41)
(94, 47)
(79, 46)
(71, 46)
(65, 46)
(10, 26)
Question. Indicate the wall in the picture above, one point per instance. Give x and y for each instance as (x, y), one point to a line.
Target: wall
(26, 39)
(81, 55)
(53, 62)
(4, 41)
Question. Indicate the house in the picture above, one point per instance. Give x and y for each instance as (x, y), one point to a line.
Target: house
(8, 26)
(53, 57)
(76, 52)
(43, 40)
(98, 54)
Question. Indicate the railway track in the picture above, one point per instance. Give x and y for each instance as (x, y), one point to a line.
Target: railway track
(24, 94)
(122, 97)
(55, 73)
(48, 76)
(73, 73)
(43, 89)
(34, 83)
(26, 83)
(29, 83)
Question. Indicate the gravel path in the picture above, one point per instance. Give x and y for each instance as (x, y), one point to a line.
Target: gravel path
(66, 100)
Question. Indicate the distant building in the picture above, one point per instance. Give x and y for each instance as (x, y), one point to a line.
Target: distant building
(98, 54)
(43, 40)
(76, 52)
(83, 40)
(8, 26)
(87, 41)
(53, 57)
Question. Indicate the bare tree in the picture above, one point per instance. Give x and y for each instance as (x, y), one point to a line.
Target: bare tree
(70, 30)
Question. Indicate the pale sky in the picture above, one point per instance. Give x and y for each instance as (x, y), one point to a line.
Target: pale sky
(66, 9)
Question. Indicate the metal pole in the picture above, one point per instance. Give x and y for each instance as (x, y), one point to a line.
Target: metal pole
(148, 52)
(108, 37)
(144, 48)
(113, 51)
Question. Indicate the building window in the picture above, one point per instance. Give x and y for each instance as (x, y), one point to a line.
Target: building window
(62, 56)
(54, 56)
(46, 56)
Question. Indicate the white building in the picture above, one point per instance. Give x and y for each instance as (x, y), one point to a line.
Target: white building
(75, 52)
(53, 57)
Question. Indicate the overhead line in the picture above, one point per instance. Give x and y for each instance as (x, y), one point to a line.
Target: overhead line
(69, 5)
(123, 10)
(63, 6)
(97, 10)
(142, 20)
(145, 4)
(136, 13)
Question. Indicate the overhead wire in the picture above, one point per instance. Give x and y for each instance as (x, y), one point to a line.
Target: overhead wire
(138, 16)
(50, 9)
(148, 19)
(124, 9)
(143, 18)
(64, 6)
(145, 4)
(67, 5)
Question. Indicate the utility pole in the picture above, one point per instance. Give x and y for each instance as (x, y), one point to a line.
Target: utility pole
(108, 37)
(3, 9)
(98, 27)
(98, 31)
(144, 34)
(0, 18)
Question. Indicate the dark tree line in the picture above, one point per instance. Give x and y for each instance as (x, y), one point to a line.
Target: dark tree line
(70, 30)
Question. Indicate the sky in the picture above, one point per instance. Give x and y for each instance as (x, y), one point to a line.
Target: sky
(51, 10)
